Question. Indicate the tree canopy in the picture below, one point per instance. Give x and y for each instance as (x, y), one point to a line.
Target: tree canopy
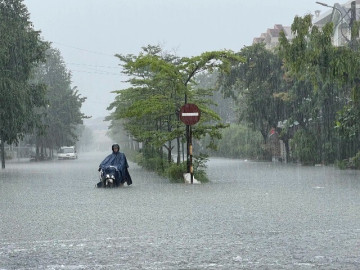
(160, 84)
(21, 48)
(307, 88)
(61, 115)
(256, 84)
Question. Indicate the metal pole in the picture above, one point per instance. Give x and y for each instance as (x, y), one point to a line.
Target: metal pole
(352, 20)
(190, 148)
(187, 148)
(187, 143)
(343, 14)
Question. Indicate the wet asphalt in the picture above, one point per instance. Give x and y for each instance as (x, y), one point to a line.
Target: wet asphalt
(251, 215)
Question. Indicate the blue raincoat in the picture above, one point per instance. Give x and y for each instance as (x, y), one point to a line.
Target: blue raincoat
(118, 160)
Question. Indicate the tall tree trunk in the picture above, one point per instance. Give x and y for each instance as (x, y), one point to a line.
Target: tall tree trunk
(2, 145)
(170, 146)
(161, 152)
(287, 150)
(169, 152)
(37, 155)
(183, 151)
(178, 150)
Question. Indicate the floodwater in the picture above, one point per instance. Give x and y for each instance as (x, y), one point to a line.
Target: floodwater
(252, 215)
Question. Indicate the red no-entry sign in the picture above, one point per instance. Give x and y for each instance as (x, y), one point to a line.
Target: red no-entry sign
(189, 114)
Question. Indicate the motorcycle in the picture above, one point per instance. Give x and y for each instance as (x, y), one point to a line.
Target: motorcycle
(109, 177)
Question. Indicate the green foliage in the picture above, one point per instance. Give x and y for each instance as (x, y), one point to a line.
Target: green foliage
(341, 164)
(305, 83)
(254, 85)
(346, 123)
(151, 159)
(350, 163)
(304, 147)
(322, 80)
(61, 116)
(221, 105)
(160, 84)
(239, 141)
(21, 48)
(199, 166)
(175, 172)
(354, 162)
(155, 161)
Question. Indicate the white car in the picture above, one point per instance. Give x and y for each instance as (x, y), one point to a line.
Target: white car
(67, 152)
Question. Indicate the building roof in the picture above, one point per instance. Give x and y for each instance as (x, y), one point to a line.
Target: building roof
(271, 36)
(341, 35)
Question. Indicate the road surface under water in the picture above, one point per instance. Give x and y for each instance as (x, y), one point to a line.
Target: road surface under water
(252, 215)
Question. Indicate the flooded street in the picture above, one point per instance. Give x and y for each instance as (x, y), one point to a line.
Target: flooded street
(252, 215)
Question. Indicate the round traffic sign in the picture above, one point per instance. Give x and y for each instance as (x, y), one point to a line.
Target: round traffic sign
(189, 114)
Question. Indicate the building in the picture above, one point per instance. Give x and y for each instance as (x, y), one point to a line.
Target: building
(342, 15)
(271, 36)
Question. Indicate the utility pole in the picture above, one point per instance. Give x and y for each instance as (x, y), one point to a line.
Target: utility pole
(354, 34)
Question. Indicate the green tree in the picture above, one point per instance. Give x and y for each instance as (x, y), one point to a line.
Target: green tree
(223, 106)
(254, 85)
(21, 48)
(161, 84)
(322, 78)
(62, 114)
(239, 141)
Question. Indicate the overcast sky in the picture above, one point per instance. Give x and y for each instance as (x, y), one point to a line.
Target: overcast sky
(89, 32)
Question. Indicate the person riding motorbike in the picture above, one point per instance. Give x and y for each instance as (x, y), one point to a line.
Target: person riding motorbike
(117, 159)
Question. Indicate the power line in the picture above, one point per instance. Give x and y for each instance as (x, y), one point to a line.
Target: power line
(80, 49)
(96, 72)
(94, 66)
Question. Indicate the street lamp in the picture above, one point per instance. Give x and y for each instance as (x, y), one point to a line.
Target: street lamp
(334, 7)
(323, 4)
(343, 13)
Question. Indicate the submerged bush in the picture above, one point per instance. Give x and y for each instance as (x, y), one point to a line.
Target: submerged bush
(153, 161)
(238, 141)
(354, 162)
(304, 147)
(175, 172)
(342, 164)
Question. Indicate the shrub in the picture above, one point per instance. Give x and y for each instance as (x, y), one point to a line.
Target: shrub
(152, 161)
(354, 162)
(342, 164)
(175, 172)
(199, 166)
(238, 141)
(304, 147)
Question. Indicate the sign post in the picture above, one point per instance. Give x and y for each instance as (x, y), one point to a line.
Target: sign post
(189, 115)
